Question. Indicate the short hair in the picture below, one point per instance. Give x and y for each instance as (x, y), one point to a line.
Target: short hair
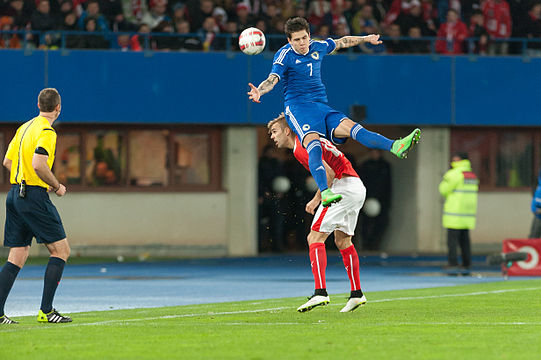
(48, 99)
(296, 24)
(281, 119)
(462, 155)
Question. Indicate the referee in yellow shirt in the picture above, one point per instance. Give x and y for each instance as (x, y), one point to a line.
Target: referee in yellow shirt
(29, 211)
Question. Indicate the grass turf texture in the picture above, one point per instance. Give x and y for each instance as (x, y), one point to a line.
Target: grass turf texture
(500, 320)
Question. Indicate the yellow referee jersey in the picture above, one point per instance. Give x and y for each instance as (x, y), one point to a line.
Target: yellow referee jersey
(34, 134)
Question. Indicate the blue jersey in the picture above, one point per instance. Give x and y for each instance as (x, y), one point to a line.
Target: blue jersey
(301, 74)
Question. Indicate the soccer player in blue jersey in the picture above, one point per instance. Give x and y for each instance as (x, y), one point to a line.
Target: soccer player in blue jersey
(298, 65)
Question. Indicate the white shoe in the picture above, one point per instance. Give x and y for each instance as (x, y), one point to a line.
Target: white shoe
(315, 300)
(354, 303)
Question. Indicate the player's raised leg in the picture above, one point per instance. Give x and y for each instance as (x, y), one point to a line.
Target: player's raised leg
(16, 260)
(373, 140)
(318, 262)
(351, 264)
(315, 162)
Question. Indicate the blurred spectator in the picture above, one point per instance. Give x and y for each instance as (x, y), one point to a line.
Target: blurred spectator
(498, 24)
(394, 45)
(336, 17)
(65, 7)
(141, 41)
(93, 10)
(165, 42)
(444, 6)
(42, 19)
(533, 29)
(417, 46)
(317, 11)
(414, 18)
(478, 30)
(469, 7)
(111, 9)
(186, 42)
(376, 176)
(8, 41)
(279, 38)
(381, 7)
(287, 8)
(430, 16)
(198, 15)
(231, 29)
(134, 10)
(157, 13)
(364, 17)
(179, 13)
(323, 32)
(244, 19)
(93, 40)
(70, 24)
(208, 35)
(220, 16)
(398, 7)
(455, 32)
(272, 13)
(20, 12)
(535, 231)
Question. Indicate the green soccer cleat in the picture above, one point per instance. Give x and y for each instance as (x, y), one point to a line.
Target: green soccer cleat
(5, 320)
(401, 147)
(52, 317)
(328, 197)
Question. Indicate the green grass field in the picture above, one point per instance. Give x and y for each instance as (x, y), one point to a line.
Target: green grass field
(500, 320)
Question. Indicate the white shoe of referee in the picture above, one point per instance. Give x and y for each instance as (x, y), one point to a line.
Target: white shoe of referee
(313, 301)
(354, 303)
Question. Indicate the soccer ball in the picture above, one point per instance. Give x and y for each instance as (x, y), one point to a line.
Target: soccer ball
(372, 207)
(252, 41)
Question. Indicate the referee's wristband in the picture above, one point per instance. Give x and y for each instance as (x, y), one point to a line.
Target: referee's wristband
(58, 188)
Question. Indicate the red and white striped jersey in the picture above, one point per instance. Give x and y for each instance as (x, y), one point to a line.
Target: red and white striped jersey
(332, 156)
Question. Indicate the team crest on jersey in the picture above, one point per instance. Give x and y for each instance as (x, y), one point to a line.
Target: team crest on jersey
(315, 55)
(306, 127)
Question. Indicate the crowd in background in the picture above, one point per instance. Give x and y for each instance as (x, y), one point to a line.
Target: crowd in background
(207, 25)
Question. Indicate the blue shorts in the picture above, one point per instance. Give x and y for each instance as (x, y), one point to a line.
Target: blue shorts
(31, 216)
(314, 117)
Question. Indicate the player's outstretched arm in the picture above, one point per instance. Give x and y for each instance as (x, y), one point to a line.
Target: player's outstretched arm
(267, 85)
(349, 41)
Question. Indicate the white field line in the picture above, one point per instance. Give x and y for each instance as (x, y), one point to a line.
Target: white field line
(109, 322)
(447, 295)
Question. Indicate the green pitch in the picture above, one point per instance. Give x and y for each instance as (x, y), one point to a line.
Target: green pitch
(499, 320)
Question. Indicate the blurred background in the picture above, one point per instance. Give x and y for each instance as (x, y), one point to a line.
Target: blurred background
(164, 155)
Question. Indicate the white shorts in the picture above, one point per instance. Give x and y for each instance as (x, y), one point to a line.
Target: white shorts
(342, 215)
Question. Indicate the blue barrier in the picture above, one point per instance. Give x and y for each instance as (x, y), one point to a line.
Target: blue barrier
(210, 88)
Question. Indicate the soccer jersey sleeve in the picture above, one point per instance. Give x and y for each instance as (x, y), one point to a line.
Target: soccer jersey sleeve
(12, 151)
(279, 62)
(47, 141)
(331, 45)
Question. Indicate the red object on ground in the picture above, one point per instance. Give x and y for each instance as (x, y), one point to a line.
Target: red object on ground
(532, 265)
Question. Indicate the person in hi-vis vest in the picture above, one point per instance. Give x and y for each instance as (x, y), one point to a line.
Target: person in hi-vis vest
(459, 187)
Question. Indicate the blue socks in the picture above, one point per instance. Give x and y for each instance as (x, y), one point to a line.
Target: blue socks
(53, 274)
(7, 278)
(315, 163)
(370, 139)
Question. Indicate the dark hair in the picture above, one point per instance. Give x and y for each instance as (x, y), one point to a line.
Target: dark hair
(48, 99)
(462, 155)
(296, 24)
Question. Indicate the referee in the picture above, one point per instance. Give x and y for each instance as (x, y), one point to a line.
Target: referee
(29, 211)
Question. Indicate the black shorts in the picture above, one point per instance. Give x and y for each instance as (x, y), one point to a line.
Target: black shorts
(31, 216)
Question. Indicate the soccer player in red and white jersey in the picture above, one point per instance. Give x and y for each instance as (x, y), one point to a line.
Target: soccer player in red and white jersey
(341, 217)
